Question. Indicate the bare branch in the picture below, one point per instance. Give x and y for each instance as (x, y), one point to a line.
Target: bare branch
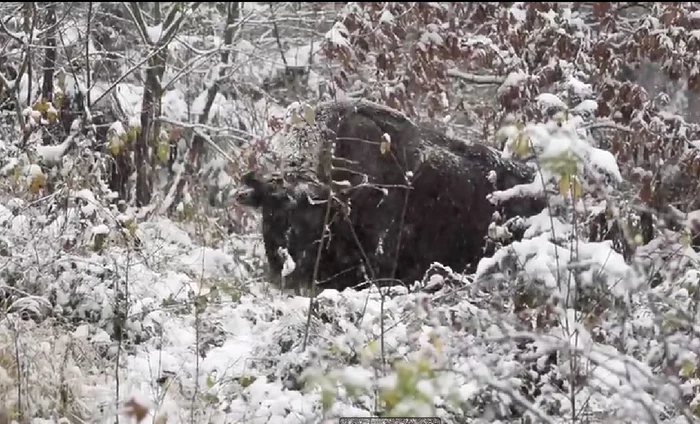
(15, 36)
(277, 36)
(131, 70)
(174, 20)
(134, 10)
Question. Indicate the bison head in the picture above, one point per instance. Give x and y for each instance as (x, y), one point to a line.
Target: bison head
(293, 207)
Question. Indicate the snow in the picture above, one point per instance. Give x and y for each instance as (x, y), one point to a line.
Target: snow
(579, 87)
(338, 35)
(100, 230)
(209, 263)
(386, 17)
(513, 79)
(518, 13)
(548, 100)
(288, 266)
(154, 33)
(554, 141)
(220, 108)
(72, 35)
(246, 369)
(32, 171)
(5, 215)
(53, 154)
(11, 164)
(208, 339)
(586, 106)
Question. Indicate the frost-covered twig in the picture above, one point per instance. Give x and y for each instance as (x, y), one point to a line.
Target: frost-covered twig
(317, 266)
(19, 38)
(606, 124)
(208, 128)
(130, 71)
(476, 78)
(277, 36)
(134, 10)
(178, 181)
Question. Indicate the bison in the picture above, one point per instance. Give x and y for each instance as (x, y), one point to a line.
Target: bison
(367, 195)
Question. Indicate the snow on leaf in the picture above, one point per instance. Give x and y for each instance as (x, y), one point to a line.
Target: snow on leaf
(51, 155)
(586, 106)
(547, 100)
(338, 35)
(100, 230)
(579, 88)
(386, 17)
(513, 79)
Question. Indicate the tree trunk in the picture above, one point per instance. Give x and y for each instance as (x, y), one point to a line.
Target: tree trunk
(50, 55)
(29, 23)
(150, 124)
(152, 93)
(142, 154)
(54, 132)
(196, 150)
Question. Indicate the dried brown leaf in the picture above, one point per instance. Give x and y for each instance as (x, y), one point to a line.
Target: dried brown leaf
(133, 409)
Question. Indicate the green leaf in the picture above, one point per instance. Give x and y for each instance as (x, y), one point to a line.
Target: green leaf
(246, 380)
(687, 369)
(309, 115)
(295, 119)
(115, 146)
(521, 145)
(133, 132)
(390, 398)
(564, 182)
(327, 400)
(576, 188)
(686, 239)
(163, 152)
(696, 410)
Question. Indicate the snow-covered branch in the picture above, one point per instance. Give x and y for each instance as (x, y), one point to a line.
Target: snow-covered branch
(476, 78)
(209, 128)
(134, 10)
(606, 124)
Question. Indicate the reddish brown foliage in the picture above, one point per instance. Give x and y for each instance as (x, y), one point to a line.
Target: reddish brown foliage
(402, 53)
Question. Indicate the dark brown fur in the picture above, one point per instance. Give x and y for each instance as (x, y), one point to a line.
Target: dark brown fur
(425, 201)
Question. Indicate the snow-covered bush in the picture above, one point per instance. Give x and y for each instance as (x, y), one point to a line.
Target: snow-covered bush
(161, 312)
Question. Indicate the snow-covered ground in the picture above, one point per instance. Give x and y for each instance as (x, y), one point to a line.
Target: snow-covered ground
(207, 341)
(551, 329)
(548, 328)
